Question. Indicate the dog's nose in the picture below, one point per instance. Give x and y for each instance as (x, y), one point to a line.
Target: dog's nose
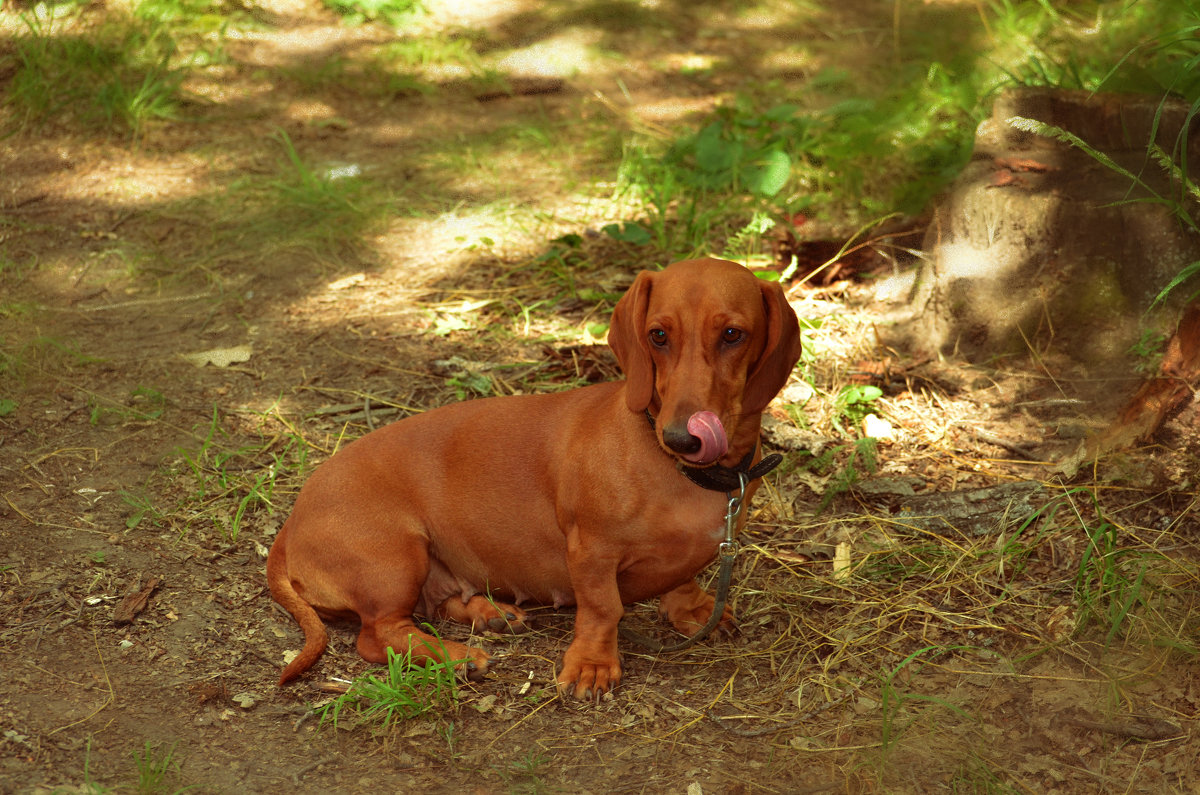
(700, 440)
(679, 440)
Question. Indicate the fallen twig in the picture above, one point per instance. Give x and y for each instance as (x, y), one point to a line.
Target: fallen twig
(1133, 727)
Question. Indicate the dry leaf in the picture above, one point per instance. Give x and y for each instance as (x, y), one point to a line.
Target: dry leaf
(221, 357)
(135, 601)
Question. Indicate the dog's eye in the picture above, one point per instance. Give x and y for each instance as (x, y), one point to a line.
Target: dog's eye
(732, 336)
(658, 337)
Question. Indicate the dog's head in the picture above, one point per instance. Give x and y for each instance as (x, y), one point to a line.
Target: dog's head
(703, 344)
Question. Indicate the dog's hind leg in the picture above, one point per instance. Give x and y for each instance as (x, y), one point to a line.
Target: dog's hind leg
(401, 634)
(388, 595)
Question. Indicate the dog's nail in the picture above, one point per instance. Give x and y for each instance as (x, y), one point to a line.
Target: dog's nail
(510, 624)
(475, 673)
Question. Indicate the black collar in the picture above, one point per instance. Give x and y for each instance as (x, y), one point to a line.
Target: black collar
(719, 477)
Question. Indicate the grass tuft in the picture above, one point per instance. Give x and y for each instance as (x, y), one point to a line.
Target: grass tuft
(396, 13)
(1110, 586)
(157, 767)
(405, 690)
(115, 74)
(228, 481)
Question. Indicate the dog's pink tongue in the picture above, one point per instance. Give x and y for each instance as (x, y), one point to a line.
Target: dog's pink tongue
(706, 427)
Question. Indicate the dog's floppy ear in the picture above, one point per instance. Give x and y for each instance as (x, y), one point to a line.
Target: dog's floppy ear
(780, 353)
(627, 338)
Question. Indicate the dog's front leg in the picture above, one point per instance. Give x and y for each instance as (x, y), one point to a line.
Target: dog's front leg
(591, 666)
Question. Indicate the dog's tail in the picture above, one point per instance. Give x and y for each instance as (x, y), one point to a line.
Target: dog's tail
(315, 636)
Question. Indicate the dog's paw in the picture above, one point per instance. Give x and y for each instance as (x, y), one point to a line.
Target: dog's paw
(473, 669)
(511, 623)
(484, 614)
(689, 610)
(693, 621)
(591, 683)
(588, 680)
(471, 664)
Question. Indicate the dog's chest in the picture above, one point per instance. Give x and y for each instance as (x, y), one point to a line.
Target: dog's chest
(669, 546)
(693, 524)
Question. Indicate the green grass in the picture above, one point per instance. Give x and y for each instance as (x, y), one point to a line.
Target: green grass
(868, 137)
(396, 13)
(299, 214)
(855, 156)
(334, 203)
(840, 465)
(445, 49)
(157, 769)
(881, 134)
(89, 786)
(415, 66)
(978, 776)
(1110, 586)
(143, 510)
(524, 774)
(115, 74)
(227, 480)
(402, 691)
(144, 404)
(43, 353)
(892, 699)
(1132, 47)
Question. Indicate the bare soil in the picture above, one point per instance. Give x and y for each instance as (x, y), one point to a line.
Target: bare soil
(910, 675)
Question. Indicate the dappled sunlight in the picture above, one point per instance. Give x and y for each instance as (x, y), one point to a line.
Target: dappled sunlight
(129, 186)
(275, 47)
(963, 260)
(793, 63)
(671, 110)
(235, 237)
(567, 54)
(451, 14)
(310, 111)
(431, 249)
(512, 154)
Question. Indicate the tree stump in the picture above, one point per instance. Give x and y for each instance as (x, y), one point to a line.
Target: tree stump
(1037, 244)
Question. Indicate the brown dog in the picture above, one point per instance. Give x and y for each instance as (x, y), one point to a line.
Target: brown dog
(575, 498)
